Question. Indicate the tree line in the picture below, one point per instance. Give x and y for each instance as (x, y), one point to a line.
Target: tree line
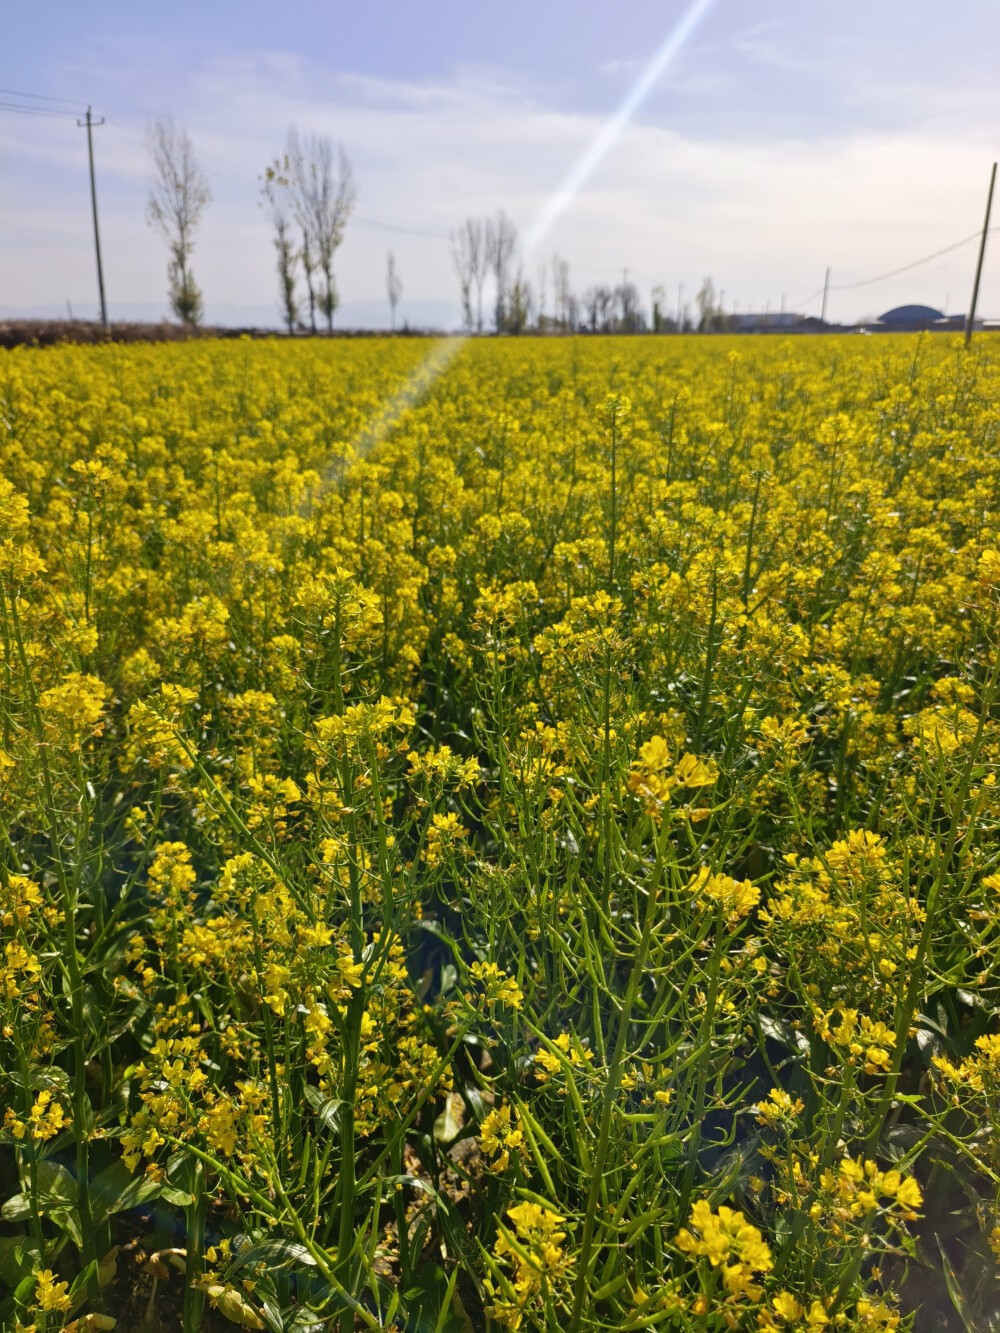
(309, 192)
(484, 248)
(487, 248)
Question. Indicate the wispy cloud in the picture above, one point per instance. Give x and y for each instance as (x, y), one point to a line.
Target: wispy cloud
(764, 214)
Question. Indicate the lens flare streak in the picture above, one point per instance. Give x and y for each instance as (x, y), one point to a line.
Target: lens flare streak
(443, 353)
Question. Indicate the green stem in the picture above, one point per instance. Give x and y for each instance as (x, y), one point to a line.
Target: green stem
(704, 1039)
(194, 1216)
(586, 1261)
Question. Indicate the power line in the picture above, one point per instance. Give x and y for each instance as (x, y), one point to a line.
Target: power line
(41, 97)
(125, 129)
(438, 233)
(34, 110)
(892, 273)
(867, 282)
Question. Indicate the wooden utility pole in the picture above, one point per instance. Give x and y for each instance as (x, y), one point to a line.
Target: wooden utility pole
(970, 321)
(826, 288)
(89, 122)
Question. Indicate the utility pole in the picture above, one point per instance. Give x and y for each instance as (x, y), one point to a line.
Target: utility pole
(93, 203)
(826, 288)
(979, 262)
(680, 294)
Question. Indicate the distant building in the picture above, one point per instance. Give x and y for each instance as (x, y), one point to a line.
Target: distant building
(916, 319)
(769, 322)
(784, 321)
(901, 319)
(813, 324)
(911, 317)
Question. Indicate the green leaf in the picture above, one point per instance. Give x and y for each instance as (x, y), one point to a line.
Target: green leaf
(272, 1254)
(609, 1288)
(56, 1182)
(302, 1320)
(480, 1109)
(271, 1315)
(25, 1289)
(116, 1189)
(56, 1188)
(424, 1185)
(951, 1281)
(16, 1209)
(447, 1125)
(69, 1220)
(784, 1034)
(18, 1256)
(82, 1278)
(180, 1198)
(432, 1302)
(327, 1108)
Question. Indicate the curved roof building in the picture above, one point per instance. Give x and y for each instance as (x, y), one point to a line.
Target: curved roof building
(910, 316)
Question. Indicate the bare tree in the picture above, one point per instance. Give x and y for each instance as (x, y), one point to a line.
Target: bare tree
(462, 257)
(325, 192)
(656, 298)
(297, 170)
(177, 198)
(589, 301)
(480, 265)
(631, 319)
(520, 304)
(543, 273)
(468, 254)
(500, 242)
(561, 292)
(705, 301)
(393, 286)
(605, 298)
(275, 187)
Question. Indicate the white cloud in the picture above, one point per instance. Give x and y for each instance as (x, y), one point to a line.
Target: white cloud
(762, 216)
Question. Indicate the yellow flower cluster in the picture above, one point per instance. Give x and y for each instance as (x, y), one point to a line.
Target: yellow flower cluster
(730, 1243)
(735, 899)
(651, 780)
(862, 1039)
(44, 1121)
(499, 1134)
(498, 988)
(860, 1187)
(979, 1072)
(606, 741)
(533, 1248)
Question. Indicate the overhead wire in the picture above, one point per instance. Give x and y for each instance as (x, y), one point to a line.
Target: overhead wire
(36, 110)
(124, 129)
(903, 268)
(41, 97)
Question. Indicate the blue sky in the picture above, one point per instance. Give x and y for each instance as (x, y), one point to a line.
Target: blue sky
(786, 136)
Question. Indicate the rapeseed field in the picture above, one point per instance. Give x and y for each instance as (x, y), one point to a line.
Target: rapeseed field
(533, 865)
